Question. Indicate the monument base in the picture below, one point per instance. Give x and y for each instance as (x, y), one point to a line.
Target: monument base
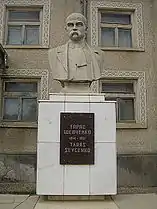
(96, 179)
(77, 197)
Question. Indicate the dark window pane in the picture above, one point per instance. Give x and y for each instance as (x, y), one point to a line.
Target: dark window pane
(14, 35)
(29, 109)
(20, 87)
(110, 99)
(107, 37)
(11, 108)
(31, 35)
(115, 18)
(118, 87)
(124, 37)
(24, 16)
(126, 109)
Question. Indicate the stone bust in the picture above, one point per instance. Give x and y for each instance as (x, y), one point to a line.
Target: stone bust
(75, 65)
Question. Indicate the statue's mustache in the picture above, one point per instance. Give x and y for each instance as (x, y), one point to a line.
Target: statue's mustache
(75, 33)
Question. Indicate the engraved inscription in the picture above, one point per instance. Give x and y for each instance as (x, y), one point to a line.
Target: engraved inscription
(77, 138)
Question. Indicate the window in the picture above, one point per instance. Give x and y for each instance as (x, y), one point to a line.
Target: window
(115, 29)
(124, 95)
(19, 101)
(23, 26)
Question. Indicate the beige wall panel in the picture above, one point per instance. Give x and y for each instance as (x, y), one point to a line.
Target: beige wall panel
(28, 58)
(14, 140)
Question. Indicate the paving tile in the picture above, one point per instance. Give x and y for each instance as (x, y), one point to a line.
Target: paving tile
(71, 198)
(29, 203)
(133, 201)
(8, 206)
(5, 198)
(20, 198)
(106, 204)
(136, 201)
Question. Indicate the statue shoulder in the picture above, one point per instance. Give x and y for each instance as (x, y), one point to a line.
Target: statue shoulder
(99, 55)
(57, 49)
(53, 54)
(97, 50)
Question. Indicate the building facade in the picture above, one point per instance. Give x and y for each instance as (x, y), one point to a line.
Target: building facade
(126, 33)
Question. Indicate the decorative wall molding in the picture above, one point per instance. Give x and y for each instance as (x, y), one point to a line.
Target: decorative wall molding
(137, 23)
(95, 87)
(31, 73)
(140, 104)
(19, 3)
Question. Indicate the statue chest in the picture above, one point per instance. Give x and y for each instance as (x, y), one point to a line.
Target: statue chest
(78, 65)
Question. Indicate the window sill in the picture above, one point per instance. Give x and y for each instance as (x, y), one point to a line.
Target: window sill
(122, 49)
(18, 124)
(25, 47)
(130, 126)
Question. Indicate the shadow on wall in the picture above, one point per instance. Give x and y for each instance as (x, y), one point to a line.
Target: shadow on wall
(18, 173)
(17, 168)
(137, 170)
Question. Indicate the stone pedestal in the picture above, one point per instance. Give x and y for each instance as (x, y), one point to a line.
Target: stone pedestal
(56, 179)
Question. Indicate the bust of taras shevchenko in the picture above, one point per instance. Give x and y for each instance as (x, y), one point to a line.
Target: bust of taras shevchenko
(75, 63)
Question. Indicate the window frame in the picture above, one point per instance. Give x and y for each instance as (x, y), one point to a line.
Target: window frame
(24, 24)
(116, 26)
(140, 92)
(45, 34)
(138, 25)
(18, 123)
(23, 74)
(118, 96)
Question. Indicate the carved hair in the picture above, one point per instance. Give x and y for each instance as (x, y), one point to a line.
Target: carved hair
(77, 16)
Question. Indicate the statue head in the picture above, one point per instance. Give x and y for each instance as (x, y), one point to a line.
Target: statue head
(76, 26)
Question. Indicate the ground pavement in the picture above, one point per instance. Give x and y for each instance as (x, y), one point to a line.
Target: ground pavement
(133, 201)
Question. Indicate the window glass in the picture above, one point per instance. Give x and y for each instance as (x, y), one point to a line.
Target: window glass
(31, 35)
(115, 18)
(124, 37)
(118, 87)
(11, 109)
(108, 37)
(20, 87)
(29, 109)
(14, 35)
(24, 16)
(126, 109)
